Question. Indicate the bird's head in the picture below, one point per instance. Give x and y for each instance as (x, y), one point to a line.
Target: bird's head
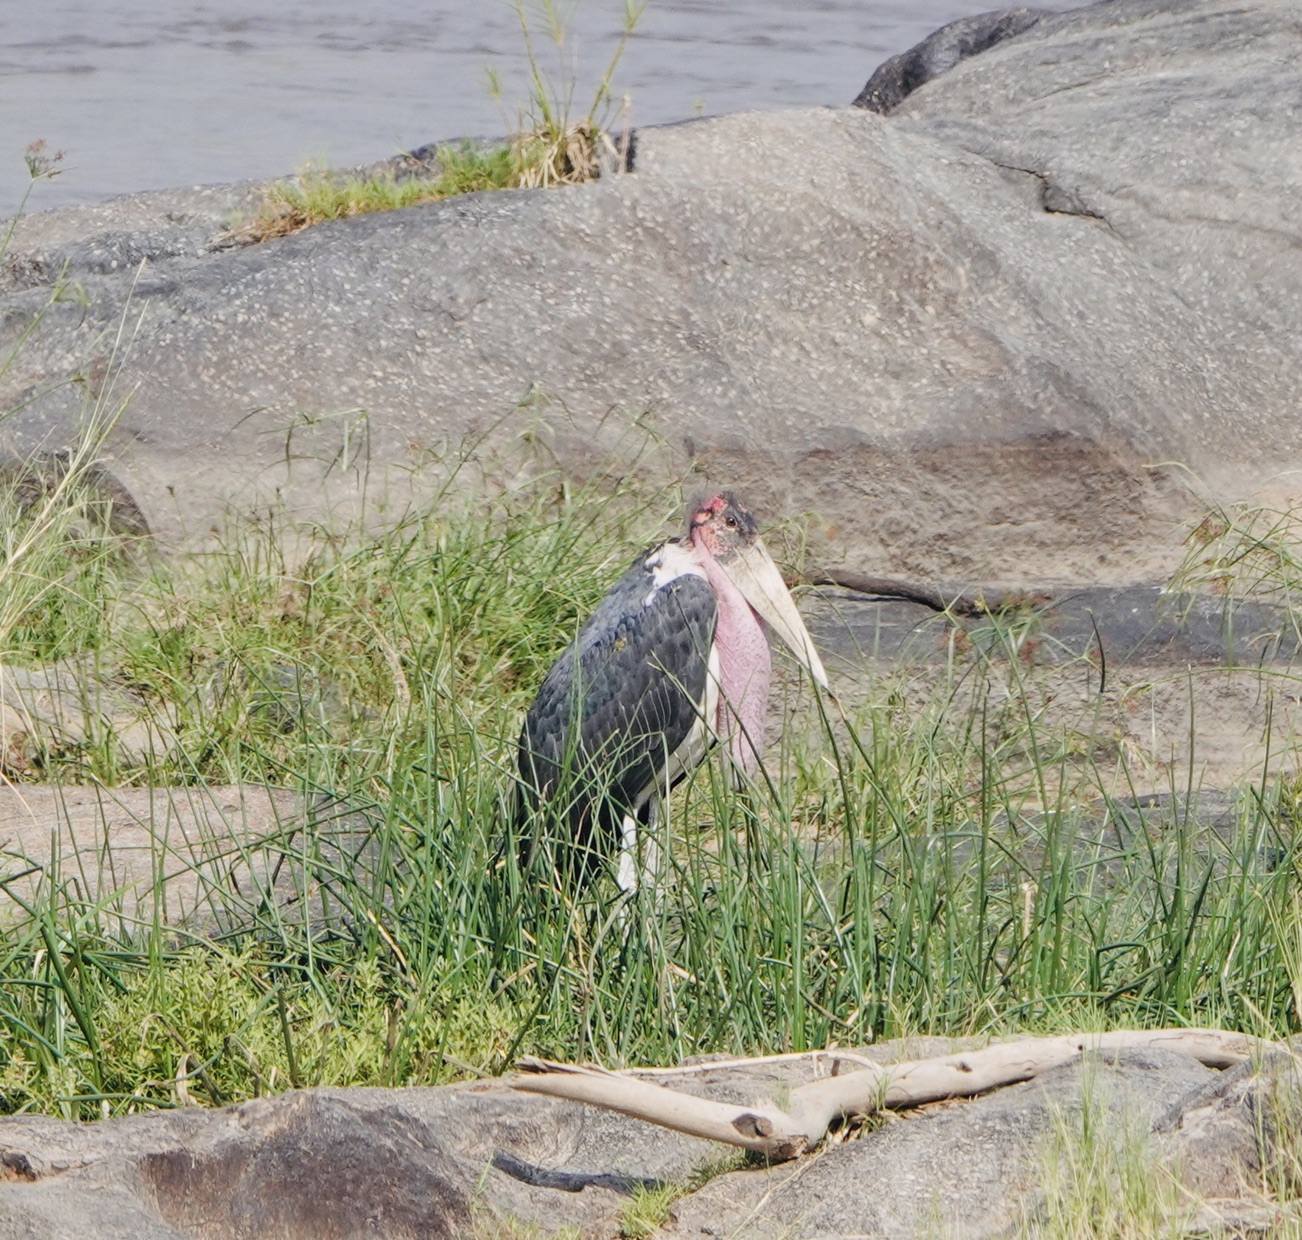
(724, 528)
(722, 525)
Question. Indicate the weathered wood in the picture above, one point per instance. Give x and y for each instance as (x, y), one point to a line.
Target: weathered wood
(766, 1130)
(781, 1134)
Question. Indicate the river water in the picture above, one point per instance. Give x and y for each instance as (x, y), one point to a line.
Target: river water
(159, 93)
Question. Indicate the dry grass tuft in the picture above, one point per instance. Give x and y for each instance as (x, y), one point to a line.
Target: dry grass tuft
(568, 156)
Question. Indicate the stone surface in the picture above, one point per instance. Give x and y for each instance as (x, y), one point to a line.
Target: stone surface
(1191, 691)
(960, 1169)
(897, 78)
(467, 1160)
(205, 859)
(1017, 331)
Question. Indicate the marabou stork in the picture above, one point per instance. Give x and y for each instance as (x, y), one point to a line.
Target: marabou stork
(675, 658)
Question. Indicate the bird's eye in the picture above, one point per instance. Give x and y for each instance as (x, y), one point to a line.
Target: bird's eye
(731, 522)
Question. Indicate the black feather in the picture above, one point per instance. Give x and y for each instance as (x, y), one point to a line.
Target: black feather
(618, 702)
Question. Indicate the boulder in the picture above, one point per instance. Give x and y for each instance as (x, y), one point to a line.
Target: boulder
(1019, 330)
(481, 1159)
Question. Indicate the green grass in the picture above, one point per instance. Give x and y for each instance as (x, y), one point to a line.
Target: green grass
(924, 868)
(486, 1225)
(318, 195)
(650, 1206)
(648, 1210)
(1279, 1114)
(552, 145)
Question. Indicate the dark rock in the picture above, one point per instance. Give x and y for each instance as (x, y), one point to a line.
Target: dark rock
(107, 507)
(896, 79)
(1210, 678)
(1143, 626)
(271, 1176)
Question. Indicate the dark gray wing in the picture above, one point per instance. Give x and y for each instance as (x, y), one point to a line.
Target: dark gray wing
(621, 698)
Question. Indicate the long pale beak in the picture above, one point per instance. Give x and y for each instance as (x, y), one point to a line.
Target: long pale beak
(753, 572)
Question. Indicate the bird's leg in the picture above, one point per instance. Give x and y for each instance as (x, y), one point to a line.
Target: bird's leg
(626, 875)
(651, 845)
(639, 849)
(630, 873)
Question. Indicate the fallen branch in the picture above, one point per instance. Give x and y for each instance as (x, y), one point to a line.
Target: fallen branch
(889, 587)
(783, 1134)
(832, 1057)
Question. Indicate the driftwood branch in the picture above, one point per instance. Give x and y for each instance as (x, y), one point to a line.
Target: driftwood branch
(832, 1058)
(783, 1134)
(890, 587)
(754, 1128)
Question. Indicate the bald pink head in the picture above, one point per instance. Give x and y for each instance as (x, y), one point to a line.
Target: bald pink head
(721, 525)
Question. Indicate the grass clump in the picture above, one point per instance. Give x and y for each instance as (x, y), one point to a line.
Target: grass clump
(67, 530)
(42, 165)
(262, 665)
(319, 195)
(59, 560)
(489, 1225)
(1278, 1112)
(649, 1209)
(1247, 551)
(212, 1027)
(550, 146)
(651, 1204)
(1104, 1177)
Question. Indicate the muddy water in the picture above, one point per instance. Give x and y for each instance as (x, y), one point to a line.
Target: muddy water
(177, 92)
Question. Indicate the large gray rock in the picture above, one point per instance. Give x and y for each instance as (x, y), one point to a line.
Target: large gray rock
(995, 335)
(465, 1160)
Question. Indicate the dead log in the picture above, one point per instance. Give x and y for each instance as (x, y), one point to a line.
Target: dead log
(782, 1134)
